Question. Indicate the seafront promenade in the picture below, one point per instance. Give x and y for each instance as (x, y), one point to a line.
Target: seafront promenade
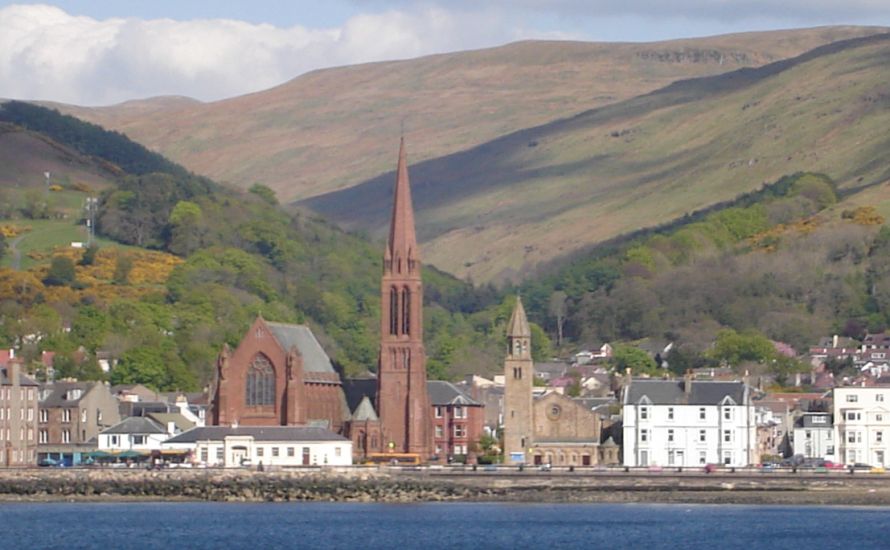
(447, 484)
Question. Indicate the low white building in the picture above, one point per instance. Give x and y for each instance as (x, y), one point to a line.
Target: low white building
(268, 445)
(814, 436)
(135, 433)
(688, 422)
(862, 424)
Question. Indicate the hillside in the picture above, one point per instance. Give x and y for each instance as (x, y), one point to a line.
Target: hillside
(334, 128)
(507, 207)
(184, 265)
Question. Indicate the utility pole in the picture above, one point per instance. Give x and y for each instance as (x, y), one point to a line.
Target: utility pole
(91, 204)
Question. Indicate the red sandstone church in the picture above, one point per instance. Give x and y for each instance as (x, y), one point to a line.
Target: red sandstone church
(279, 375)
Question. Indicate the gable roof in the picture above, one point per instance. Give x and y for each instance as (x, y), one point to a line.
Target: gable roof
(58, 393)
(259, 433)
(365, 411)
(24, 379)
(136, 425)
(672, 392)
(180, 422)
(355, 390)
(314, 357)
(446, 393)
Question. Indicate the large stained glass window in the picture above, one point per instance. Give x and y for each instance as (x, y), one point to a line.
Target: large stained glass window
(260, 382)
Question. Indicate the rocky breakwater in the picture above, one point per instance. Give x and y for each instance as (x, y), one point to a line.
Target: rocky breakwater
(230, 485)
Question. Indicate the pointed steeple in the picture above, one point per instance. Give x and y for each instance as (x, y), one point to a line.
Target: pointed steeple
(402, 245)
(518, 327)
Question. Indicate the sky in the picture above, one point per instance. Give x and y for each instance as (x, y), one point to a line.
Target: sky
(101, 52)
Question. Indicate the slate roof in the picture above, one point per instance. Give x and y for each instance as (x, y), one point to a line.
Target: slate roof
(182, 423)
(671, 392)
(314, 357)
(365, 411)
(24, 379)
(356, 389)
(592, 403)
(446, 393)
(58, 393)
(806, 421)
(136, 425)
(259, 433)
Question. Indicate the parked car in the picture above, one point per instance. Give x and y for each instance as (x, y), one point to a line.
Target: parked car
(878, 470)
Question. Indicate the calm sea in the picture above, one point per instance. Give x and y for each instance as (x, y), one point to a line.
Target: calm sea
(440, 525)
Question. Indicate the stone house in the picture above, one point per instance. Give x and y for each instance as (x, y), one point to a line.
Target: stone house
(71, 416)
(18, 416)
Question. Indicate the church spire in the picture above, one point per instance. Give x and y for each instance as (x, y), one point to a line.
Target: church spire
(401, 249)
(518, 327)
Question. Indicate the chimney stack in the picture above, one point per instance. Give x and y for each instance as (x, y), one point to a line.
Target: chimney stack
(834, 341)
(687, 382)
(628, 378)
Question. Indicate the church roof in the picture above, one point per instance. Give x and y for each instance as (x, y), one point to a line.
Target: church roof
(314, 357)
(357, 389)
(518, 326)
(365, 411)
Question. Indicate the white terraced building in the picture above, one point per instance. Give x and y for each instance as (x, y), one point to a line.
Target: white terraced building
(862, 424)
(688, 423)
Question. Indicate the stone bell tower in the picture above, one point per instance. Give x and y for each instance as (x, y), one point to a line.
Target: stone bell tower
(402, 398)
(519, 374)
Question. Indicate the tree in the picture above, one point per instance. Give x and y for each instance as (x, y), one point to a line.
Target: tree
(36, 206)
(61, 272)
(733, 347)
(558, 308)
(631, 357)
(122, 267)
(89, 255)
(140, 366)
(186, 228)
(264, 192)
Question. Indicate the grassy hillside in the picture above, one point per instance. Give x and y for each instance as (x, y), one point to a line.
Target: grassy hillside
(184, 265)
(334, 128)
(25, 157)
(507, 207)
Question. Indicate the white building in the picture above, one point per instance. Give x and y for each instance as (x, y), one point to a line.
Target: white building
(862, 424)
(688, 423)
(814, 436)
(267, 445)
(135, 433)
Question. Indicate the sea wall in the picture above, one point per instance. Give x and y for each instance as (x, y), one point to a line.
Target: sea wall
(385, 485)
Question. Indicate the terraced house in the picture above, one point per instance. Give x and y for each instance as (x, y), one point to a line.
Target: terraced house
(71, 416)
(862, 424)
(688, 422)
(18, 416)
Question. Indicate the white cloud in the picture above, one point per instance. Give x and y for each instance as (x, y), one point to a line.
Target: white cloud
(813, 11)
(46, 53)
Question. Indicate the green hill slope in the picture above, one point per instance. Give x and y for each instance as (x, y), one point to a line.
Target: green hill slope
(185, 265)
(334, 128)
(504, 208)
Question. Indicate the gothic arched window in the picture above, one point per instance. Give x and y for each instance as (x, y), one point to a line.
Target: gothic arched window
(406, 311)
(393, 311)
(260, 388)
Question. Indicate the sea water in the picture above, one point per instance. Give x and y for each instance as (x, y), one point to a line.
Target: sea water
(187, 525)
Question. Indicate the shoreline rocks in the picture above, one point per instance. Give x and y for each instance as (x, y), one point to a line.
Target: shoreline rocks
(385, 486)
